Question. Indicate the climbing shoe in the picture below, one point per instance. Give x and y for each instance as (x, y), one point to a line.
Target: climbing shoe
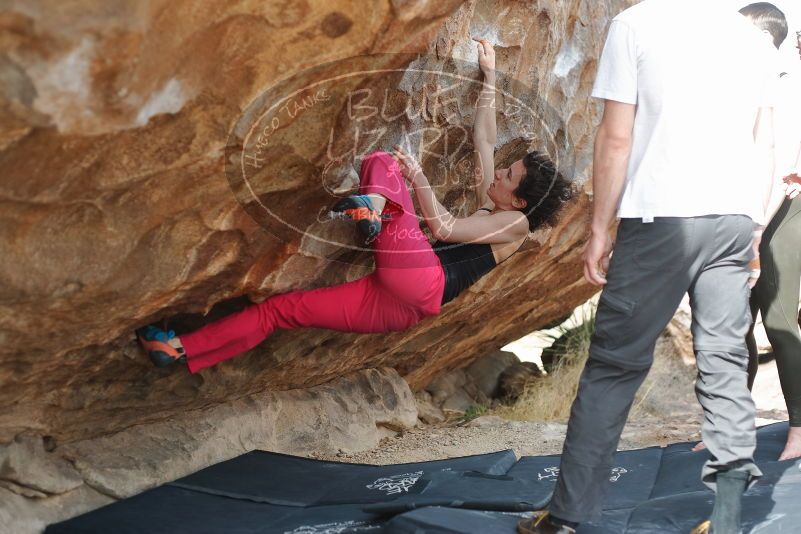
(155, 341)
(360, 209)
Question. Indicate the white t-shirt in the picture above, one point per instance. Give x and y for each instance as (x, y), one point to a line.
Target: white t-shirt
(698, 72)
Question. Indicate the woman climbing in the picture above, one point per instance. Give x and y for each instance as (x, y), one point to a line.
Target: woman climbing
(412, 278)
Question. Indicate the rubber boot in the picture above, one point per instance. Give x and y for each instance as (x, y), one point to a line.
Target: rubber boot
(728, 502)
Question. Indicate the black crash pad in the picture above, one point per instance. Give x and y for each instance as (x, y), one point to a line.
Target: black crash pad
(293, 481)
(772, 505)
(651, 490)
(261, 492)
(680, 468)
(471, 490)
(630, 480)
(438, 520)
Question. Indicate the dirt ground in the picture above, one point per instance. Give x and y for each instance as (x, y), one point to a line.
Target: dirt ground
(489, 433)
(665, 411)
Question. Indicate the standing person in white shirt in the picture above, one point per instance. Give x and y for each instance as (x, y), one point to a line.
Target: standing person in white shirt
(684, 85)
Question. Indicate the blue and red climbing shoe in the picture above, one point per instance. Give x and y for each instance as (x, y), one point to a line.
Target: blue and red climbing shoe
(155, 341)
(359, 208)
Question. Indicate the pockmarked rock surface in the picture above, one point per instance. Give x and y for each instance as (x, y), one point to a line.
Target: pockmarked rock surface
(115, 210)
(347, 415)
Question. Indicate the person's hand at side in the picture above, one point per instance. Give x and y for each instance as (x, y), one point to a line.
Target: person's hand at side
(596, 256)
(610, 158)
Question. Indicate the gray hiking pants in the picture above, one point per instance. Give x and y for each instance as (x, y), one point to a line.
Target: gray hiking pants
(653, 266)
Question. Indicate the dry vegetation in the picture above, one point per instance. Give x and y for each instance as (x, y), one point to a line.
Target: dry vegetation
(548, 399)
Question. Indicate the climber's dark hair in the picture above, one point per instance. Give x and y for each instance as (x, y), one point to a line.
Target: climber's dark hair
(544, 189)
(768, 17)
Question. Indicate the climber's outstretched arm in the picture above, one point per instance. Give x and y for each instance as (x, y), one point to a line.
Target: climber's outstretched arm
(484, 129)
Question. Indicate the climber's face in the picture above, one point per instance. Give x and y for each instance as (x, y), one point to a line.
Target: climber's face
(506, 182)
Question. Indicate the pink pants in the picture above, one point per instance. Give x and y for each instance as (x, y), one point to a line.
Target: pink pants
(405, 287)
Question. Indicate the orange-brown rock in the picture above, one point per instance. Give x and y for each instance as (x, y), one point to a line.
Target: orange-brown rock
(115, 210)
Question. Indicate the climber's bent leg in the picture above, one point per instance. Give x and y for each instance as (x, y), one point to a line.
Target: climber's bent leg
(359, 306)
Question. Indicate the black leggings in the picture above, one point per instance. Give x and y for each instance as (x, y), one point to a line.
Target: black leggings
(776, 297)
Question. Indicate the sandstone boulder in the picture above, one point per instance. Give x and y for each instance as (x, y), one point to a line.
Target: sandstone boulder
(486, 371)
(115, 121)
(428, 412)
